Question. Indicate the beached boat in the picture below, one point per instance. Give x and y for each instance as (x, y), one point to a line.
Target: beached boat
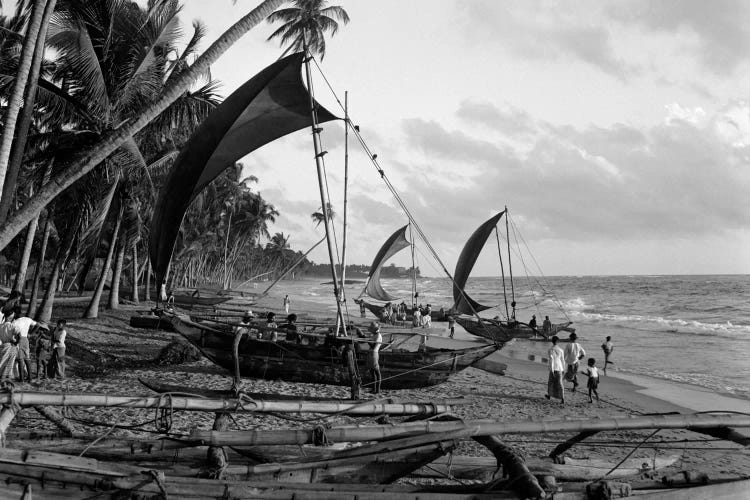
(323, 363)
(374, 289)
(495, 329)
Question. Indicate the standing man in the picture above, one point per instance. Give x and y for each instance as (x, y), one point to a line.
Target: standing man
(57, 362)
(373, 358)
(573, 353)
(22, 327)
(451, 325)
(556, 358)
(532, 323)
(608, 347)
(546, 326)
(287, 303)
(362, 309)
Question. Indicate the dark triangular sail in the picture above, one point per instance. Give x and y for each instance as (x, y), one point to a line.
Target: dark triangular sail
(270, 105)
(463, 304)
(391, 247)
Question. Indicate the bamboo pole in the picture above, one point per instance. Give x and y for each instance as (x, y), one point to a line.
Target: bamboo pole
(469, 428)
(186, 403)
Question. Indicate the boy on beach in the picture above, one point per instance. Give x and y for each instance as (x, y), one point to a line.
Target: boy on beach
(607, 347)
(42, 353)
(593, 374)
(451, 325)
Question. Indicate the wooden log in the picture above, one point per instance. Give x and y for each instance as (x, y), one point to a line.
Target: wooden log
(523, 481)
(7, 415)
(468, 428)
(56, 418)
(725, 433)
(725, 491)
(563, 447)
(224, 404)
(464, 467)
(216, 456)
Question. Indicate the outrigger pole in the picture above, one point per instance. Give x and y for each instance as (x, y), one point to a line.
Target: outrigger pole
(323, 199)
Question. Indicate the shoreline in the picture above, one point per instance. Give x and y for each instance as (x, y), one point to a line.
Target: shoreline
(651, 393)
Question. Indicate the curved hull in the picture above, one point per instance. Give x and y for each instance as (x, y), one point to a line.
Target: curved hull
(322, 364)
(501, 331)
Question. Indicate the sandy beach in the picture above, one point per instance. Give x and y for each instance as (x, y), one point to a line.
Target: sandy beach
(519, 394)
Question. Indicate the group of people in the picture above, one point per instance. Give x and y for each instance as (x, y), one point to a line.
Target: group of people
(269, 331)
(16, 334)
(546, 324)
(564, 364)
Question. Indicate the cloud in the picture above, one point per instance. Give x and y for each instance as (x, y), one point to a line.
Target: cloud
(531, 29)
(685, 176)
(720, 29)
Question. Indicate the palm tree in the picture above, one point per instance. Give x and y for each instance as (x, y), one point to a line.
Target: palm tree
(92, 156)
(19, 86)
(306, 24)
(26, 115)
(319, 217)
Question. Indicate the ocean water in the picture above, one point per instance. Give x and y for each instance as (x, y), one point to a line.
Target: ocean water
(692, 329)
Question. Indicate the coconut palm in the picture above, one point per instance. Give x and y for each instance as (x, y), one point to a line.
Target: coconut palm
(305, 25)
(92, 156)
(25, 118)
(319, 217)
(19, 86)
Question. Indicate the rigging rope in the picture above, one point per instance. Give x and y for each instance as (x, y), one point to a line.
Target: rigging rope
(373, 158)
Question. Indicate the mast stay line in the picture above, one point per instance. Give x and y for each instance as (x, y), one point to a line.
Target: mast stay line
(394, 192)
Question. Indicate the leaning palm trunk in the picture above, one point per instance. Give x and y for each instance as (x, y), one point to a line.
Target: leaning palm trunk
(93, 310)
(87, 160)
(114, 289)
(23, 265)
(40, 265)
(134, 275)
(66, 245)
(16, 97)
(147, 295)
(22, 128)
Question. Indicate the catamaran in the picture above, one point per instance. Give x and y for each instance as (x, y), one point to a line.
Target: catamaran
(493, 328)
(274, 103)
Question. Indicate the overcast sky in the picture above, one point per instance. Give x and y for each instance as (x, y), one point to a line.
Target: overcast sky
(617, 133)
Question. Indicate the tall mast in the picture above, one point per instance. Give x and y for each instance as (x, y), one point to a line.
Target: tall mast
(502, 271)
(346, 185)
(321, 183)
(510, 265)
(414, 272)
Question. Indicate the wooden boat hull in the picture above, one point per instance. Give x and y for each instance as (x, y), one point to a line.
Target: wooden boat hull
(323, 364)
(151, 322)
(501, 331)
(190, 301)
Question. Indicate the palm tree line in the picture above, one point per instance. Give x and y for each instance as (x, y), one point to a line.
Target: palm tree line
(95, 131)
